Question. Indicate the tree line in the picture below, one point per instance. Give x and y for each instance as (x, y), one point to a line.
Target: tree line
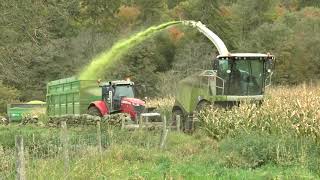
(45, 40)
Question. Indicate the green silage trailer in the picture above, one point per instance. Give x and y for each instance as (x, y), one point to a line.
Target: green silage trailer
(16, 111)
(71, 96)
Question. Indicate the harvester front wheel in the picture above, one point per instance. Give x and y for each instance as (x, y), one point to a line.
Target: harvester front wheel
(202, 106)
(94, 111)
(175, 113)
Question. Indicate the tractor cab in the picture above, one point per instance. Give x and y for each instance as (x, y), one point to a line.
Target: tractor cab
(117, 97)
(114, 91)
(243, 74)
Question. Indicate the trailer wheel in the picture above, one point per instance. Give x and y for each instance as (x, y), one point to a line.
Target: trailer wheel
(94, 111)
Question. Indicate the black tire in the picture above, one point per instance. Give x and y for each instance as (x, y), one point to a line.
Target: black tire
(179, 112)
(202, 106)
(94, 111)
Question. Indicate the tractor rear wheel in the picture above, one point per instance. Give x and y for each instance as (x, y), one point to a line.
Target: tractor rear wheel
(94, 111)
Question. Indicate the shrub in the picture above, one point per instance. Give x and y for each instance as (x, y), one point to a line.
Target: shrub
(7, 95)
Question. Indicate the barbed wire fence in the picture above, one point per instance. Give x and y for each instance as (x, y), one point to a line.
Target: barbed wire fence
(64, 150)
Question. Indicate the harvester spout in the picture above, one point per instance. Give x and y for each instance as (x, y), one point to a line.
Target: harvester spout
(210, 35)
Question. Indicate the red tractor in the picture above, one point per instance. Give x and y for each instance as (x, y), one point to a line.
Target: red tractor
(117, 97)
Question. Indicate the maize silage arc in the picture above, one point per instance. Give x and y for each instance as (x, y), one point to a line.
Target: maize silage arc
(105, 60)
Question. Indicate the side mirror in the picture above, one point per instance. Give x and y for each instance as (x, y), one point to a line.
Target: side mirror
(215, 64)
(269, 66)
(110, 96)
(269, 69)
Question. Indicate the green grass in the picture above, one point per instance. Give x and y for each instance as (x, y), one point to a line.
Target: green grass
(136, 155)
(118, 163)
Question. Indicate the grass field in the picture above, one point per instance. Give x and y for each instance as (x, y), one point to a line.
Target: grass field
(278, 140)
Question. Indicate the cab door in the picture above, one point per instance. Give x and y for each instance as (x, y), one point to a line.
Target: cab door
(222, 67)
(246, 77)
(107, 97)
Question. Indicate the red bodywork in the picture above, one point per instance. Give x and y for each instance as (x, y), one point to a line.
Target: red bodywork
(101, 105)
(127, 106)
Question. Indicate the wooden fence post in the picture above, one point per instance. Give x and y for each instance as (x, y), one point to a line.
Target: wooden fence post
(110, 135)
(140, 122)
(123, 120)
(178, 122)
(99, 137)
(193, 120)
(165, 131)
(21, 174)
(33, 141)
(164, 123)
(65, 146)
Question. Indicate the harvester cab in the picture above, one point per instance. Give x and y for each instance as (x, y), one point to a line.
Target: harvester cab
(243, 74)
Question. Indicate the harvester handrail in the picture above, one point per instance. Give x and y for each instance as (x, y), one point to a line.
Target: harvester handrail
(270, 80)
(214, 74)
(223, 84)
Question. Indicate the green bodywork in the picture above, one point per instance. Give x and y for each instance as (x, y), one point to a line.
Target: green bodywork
(197, 88)
(18, 110)
(71, 96)
(191, 90)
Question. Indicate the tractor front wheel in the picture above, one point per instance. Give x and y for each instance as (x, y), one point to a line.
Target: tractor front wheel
(94, 111)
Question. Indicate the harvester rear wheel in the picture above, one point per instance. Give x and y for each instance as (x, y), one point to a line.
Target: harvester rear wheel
(94, 111)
